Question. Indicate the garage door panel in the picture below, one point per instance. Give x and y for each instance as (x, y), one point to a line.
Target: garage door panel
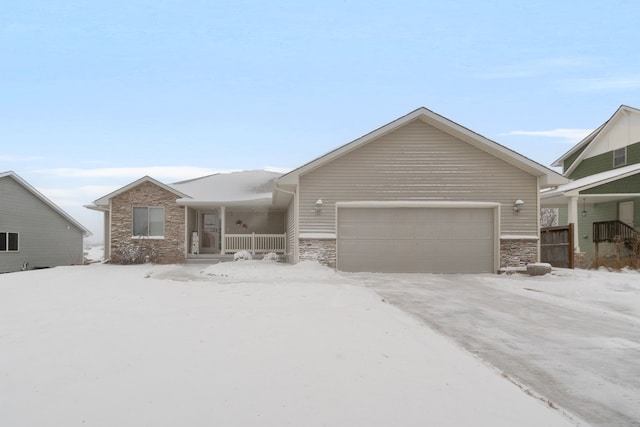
(377, 249)
(440, 240)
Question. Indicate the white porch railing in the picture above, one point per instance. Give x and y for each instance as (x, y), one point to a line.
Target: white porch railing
(255, 243)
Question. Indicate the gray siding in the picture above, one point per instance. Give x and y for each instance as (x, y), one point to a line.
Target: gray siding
(46, 238)
(419, 162)
(291, 232)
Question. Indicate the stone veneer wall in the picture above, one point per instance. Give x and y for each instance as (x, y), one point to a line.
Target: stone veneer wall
(167, 250)
(321, 250)
(518, 253)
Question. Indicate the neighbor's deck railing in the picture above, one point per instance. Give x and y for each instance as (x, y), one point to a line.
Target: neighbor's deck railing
(255, 243)
(609, 231)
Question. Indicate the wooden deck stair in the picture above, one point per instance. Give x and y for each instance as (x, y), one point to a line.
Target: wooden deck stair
(616, 231)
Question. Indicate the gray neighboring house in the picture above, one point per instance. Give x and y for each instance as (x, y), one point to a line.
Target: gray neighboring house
(34, 232)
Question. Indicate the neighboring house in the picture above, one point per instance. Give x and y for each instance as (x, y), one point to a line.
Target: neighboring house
(602, 198)
(34, 232)
(420, 194)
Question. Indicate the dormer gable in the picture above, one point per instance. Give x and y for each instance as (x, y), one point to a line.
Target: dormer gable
(616, 143)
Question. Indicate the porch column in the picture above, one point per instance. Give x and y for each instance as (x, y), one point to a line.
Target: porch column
(573, 219)
(223, 227)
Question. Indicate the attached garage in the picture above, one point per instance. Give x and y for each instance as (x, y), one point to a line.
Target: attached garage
(421, 237)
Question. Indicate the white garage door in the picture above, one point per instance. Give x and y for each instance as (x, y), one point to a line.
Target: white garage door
(416, 240)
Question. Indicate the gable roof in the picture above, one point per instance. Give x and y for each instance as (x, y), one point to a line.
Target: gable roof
(548, 177)
(103, 202)
(591, 139)
(45, 200)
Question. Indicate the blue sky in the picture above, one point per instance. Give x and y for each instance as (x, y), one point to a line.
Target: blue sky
(94, 95)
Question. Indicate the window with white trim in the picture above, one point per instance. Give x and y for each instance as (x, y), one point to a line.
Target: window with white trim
(9, 242)
(148, 221)
(620, 157)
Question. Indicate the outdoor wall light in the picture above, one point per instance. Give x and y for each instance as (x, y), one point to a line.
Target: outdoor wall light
(318, 206)
(517, 206)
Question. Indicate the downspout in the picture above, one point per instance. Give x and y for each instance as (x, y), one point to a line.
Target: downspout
(538, 219)
(295, 215)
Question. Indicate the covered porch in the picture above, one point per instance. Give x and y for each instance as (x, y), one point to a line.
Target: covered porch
(603, 208)
(230, 212)
(218, 232)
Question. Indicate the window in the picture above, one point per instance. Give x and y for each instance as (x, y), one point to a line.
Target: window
(620, 157)
(148, 222)
(8, 242)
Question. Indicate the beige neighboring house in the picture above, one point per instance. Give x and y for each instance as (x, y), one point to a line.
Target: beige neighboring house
(420, 194)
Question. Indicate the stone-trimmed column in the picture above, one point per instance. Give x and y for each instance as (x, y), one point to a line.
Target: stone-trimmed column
(518, 252)
(317, 249)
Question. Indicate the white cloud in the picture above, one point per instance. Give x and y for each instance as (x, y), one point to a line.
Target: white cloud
(162, 173)
(571, 136)
(605, 83)
(76, 195)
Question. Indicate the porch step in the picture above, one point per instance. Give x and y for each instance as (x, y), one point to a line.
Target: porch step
(210, 260)
(203, 261)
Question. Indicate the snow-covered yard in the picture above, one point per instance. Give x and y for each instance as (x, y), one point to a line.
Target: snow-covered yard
(236, 344)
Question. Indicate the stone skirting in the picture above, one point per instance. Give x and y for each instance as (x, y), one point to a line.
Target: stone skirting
(321, 250)
(518, 252)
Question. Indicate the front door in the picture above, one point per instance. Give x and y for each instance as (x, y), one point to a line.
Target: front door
(625, 213)
(209, 232)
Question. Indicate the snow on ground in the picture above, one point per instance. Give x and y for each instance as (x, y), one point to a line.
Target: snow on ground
(616, 293)
(94, 253)
(235, 344)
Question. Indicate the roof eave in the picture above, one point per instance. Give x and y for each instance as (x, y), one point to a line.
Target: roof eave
(262, 202)
(591, 138)
(85, 231)
(104, 200)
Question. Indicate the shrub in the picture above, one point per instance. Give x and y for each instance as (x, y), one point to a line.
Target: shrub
(242, 256)
(129, 253)
(271, 256)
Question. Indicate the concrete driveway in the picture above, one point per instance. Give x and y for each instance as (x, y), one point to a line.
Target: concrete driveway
(582, 359)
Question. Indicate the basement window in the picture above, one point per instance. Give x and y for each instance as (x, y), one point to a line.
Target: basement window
(9, 242)
(620, 157)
